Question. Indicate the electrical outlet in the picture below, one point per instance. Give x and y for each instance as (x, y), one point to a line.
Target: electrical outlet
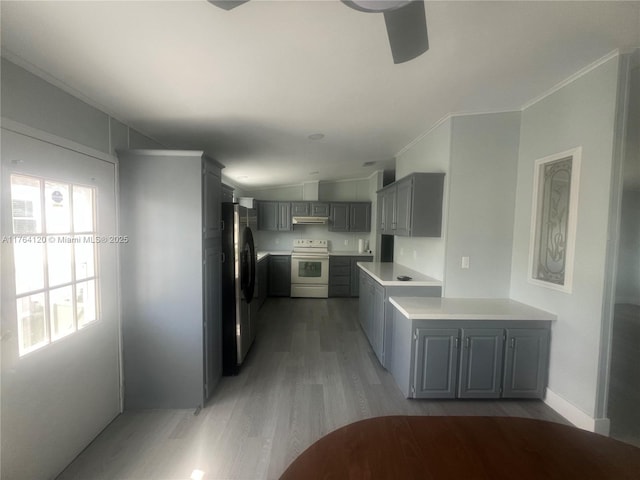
(346, 242)
(401, 251)
(465, 262)
(277, 241)
(415, 255)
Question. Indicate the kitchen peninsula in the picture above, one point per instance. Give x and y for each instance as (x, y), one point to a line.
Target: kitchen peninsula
(378, 282)
(469, 348)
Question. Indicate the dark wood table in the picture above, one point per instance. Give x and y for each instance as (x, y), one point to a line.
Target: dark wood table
(462, 448)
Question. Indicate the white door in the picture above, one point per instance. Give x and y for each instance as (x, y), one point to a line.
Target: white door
(60, 320)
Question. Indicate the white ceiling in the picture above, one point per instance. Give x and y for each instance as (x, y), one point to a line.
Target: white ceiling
(249, 85)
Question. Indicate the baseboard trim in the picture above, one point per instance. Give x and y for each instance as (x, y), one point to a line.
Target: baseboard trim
(575, 415)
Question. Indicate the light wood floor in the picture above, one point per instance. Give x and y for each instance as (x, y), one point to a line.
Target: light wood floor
(310, 371)
(624, 389)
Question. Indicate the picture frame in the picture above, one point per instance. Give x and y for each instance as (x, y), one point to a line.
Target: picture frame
(554, 215)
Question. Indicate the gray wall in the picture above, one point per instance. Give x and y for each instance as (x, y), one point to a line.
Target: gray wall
(31, 101)
(628, 279)
(580, 114)
(50, 419)
(484, 158)
(432, 153)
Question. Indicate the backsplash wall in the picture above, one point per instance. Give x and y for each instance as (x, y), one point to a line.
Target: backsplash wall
(338, 242)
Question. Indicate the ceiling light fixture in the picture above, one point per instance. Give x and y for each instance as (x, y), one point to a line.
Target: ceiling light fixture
(368, 164)
(316, 136)
(315, 172)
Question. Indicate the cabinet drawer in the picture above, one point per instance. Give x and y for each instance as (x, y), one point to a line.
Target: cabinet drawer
(339, 280)
(339, 290)
(340, 270)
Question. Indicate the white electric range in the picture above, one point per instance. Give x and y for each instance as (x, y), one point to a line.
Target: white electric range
(310, 268)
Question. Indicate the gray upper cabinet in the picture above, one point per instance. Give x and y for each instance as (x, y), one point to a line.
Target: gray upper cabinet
(339, 217)
(299, 209)
(171, 310)
(360, 217)
(412, 206)
(436, 367)
(274, 216)
(319, 209)
(526, 363)
(350, 217)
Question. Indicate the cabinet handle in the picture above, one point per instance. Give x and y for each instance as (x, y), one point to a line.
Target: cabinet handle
(457, 343)
(223, 257)
(467, 342)
(513, 342)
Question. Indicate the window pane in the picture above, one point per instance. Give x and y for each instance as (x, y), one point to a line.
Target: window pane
(56, 202)
(84, 257)
(32, 329)
(61, 312)
(25, 204)
(86, 306)
(29, 262)
(82, 209)
(59, 260)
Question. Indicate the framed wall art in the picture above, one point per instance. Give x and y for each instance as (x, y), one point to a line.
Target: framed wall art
(553, 219)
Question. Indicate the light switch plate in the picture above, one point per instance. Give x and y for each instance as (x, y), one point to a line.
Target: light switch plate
(465, 262)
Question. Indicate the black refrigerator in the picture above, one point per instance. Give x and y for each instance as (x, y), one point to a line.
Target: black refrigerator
(238, 285)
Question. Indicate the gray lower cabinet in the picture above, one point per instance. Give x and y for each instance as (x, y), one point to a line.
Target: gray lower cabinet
(262, 283)
(279, 275)
(526, 357)
(469, 359)
(481, 363)
(436, 367)
(376, 312)
(344, 279)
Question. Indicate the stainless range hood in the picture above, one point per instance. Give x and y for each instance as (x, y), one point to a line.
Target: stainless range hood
(310, 220)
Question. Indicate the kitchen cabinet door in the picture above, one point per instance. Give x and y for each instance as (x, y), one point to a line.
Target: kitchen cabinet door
(389, 211)
(481, 363)
(355, 277)
(365, 303)
(262, 283)
(526, 363)
(280, 276)
(377, 322)
(436, 362)
(380, 221)
(339, 218)
(404, 207)
(299, 209)
(339, 276)
(284, 216)
(320, 209)
(268, 216)
(360, 217)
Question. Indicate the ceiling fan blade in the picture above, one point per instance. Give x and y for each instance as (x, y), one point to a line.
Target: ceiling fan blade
(407, 31)
(227, 4)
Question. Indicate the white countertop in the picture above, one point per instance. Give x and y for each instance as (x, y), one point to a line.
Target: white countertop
(263, 254)
(350, 254)
(387, 274)
(435, 308)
